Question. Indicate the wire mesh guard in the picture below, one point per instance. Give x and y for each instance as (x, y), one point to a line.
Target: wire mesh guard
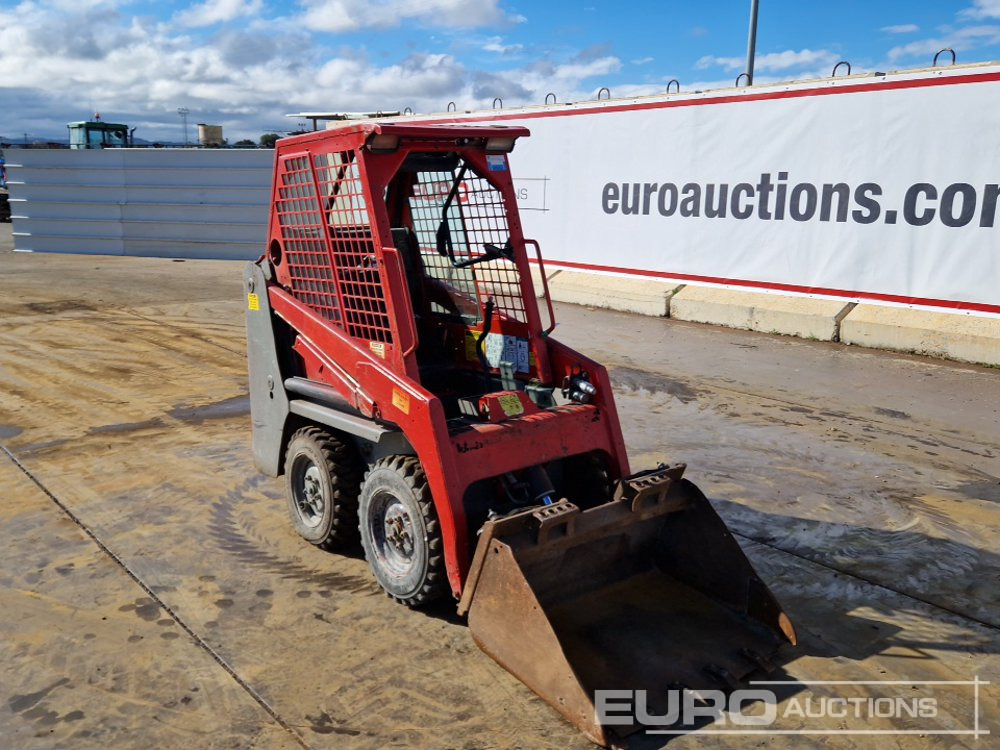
(353, 249)
(476, 217)
(304, 240)
(341, 282)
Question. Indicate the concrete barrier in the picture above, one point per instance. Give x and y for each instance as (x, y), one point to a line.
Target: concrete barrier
(963, 337)
(769, 313)
(641, 296)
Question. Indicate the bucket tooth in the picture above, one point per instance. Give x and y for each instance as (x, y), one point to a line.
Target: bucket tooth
(722, 676)
(648, 488)
(635, 594)
(763, 663)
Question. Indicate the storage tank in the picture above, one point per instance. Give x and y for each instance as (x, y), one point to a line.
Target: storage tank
(209, 135)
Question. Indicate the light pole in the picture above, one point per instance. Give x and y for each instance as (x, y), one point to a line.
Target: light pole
(751, 42)
(183, 112)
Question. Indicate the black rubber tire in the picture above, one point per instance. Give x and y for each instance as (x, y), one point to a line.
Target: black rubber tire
(588, 480)
(396, 486)
(331, 520)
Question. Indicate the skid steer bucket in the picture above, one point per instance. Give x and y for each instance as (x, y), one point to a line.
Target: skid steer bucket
(647, 592)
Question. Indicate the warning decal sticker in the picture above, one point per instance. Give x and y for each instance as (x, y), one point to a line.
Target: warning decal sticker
(401, 400)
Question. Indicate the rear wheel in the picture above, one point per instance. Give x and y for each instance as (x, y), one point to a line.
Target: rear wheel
(322, 480)
(400, 531)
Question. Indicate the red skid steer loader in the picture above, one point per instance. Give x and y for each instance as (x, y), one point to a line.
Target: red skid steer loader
(404, 382)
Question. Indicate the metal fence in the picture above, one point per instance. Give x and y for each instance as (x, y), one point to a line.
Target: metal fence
(183, 203)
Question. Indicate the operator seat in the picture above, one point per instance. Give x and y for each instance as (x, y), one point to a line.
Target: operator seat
(438, 373)
(405, 240)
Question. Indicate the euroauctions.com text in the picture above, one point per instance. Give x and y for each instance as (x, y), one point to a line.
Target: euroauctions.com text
(956, 205)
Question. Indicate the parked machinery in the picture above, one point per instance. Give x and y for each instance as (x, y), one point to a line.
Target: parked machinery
(404, 381)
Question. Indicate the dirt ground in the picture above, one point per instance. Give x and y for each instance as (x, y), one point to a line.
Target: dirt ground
(152, 593)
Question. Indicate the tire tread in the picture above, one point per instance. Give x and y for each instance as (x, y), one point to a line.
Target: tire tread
(435, 582)
(345, 469)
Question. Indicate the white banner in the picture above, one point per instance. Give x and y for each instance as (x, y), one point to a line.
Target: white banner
(883, 188)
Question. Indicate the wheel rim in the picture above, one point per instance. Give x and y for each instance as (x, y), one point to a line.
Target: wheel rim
(307, 490)
(394, 535)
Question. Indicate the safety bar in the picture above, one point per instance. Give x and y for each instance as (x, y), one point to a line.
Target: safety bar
(391, 255)
(545, 286)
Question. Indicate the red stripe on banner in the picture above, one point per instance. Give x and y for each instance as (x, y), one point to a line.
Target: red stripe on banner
(778, 287)
(914, 83)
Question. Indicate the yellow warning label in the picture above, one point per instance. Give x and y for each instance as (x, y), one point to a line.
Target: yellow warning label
(401, 400)
(253, 301)
(511, 405)
(531, 360)
(470, 346)
(378, 348)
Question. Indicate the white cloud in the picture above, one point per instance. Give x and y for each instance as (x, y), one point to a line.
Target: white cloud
(58, 66)
(773, 61)
(923, 48)
(352, 15)
(61, 60)
(422, 76)
(495, 44)
(903, 28)
(982, 9)
(777, 61)
(960, 40)
(963, 38)
(70, 6)
(218, 11)
(712, 61)
(583, 70)
(569, 81)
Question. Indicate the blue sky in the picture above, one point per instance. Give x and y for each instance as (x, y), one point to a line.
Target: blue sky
(245, 63)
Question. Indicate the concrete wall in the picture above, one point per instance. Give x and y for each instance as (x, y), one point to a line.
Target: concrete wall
(185, 203)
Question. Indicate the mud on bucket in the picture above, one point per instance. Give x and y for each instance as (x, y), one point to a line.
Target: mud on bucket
(647, 592)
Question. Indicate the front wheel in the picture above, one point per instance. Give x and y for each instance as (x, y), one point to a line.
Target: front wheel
(400, 531)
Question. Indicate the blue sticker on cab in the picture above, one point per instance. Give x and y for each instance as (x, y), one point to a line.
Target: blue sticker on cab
(496, 162)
